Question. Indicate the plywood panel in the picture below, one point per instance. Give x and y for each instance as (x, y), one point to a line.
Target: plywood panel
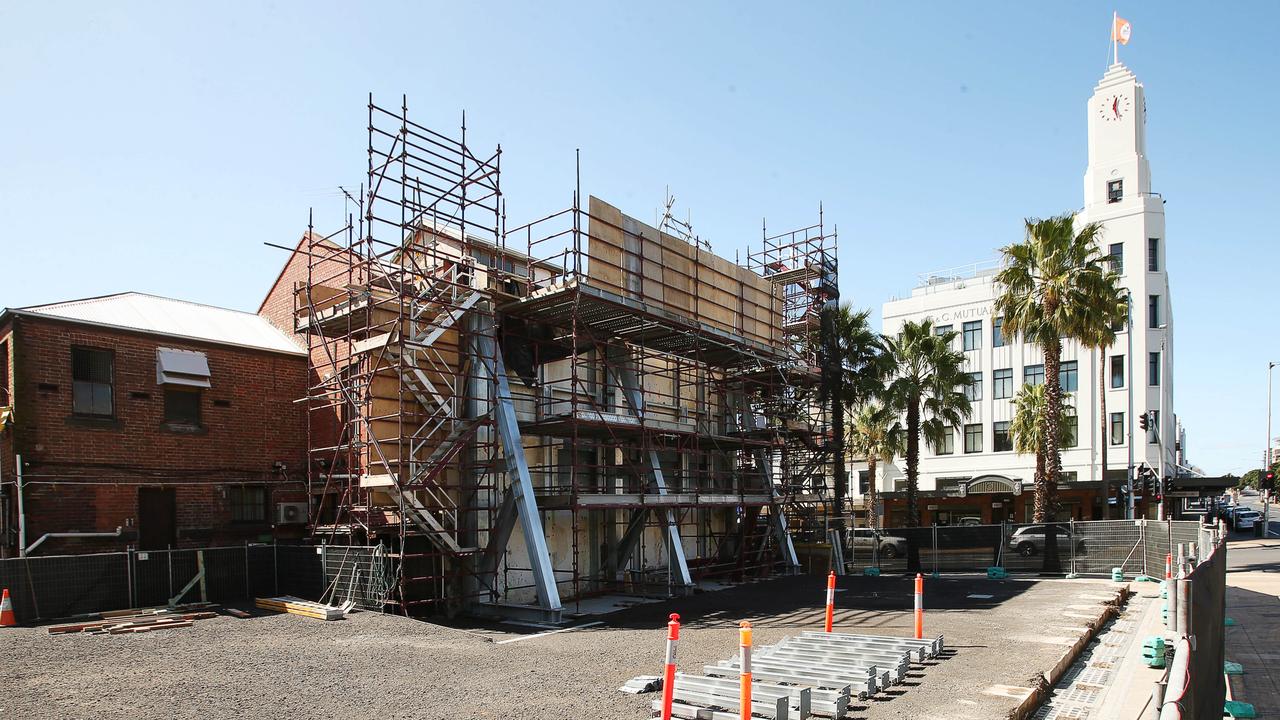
(637, 261)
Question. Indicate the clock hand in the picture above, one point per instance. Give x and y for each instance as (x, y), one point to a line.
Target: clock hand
(1115, 106)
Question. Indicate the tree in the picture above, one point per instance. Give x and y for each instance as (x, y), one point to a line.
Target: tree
(1027, 430)
(875, 435)
(1053, 286)
(1100, 334)
(927, 389)
(863, 366)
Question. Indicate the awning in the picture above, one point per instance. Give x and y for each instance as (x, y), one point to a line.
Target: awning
(182, 367)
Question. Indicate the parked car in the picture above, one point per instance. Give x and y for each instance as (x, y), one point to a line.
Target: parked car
(1246, 520)
(1030, 540)
(891, 546)
(970, 520)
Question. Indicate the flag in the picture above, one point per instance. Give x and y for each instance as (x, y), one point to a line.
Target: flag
(1122, 30)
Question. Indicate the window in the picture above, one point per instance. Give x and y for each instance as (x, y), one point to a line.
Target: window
(1069, 376)
(1033, 374)
(1153, 369)
(1153, 426)
(1067, 476)
(1000, 436)
(1117, 371)
(973, 335)
(248, 503)
(1153, 254)
(1070, 431)
(941, 330)
(997, 332)
(4, 374)
(1117, 428)
(973, 438)
(948, 444)
(1002, 383)
(1153, 311)
(1116, 256)
(182, 406)
(91, 380)
(973, 391)
(1115, 190)
(863, 482)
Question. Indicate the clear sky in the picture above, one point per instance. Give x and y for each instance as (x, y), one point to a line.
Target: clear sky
(157, 146)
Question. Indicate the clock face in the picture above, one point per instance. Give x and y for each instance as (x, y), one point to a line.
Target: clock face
(1114, 108)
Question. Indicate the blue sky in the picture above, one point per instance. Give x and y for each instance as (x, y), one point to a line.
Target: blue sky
(157, 146)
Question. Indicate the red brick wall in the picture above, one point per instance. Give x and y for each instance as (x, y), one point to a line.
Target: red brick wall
(258, 425)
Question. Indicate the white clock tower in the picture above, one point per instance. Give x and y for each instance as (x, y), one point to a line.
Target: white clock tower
(1118, 195)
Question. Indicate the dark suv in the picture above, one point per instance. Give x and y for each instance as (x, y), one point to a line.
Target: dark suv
(1030, 540)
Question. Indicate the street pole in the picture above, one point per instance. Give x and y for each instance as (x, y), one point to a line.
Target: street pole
(1129, 383)
(1266, 456)
(1159, 426)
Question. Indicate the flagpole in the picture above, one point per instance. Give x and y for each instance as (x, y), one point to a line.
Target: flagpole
(1115, 41)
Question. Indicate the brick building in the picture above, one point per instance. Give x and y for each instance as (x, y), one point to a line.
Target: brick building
(174, 422)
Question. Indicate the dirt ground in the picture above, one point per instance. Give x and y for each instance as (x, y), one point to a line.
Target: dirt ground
(380, 666)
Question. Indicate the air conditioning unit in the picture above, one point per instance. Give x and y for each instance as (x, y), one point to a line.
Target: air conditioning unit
(291, 513)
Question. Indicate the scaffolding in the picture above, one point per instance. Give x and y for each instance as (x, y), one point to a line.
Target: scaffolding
(579, 405)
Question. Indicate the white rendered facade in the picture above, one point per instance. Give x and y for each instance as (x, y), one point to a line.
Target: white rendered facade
(1117, 194)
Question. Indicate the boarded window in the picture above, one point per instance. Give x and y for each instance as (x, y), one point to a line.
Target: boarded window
(182, 405)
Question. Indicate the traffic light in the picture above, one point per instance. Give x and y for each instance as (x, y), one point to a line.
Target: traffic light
(1143, 421)
(1268, 480)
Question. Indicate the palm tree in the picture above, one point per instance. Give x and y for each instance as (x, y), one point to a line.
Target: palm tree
(860, 356)
(927, 388)
(1052, 285)
(1111, 315)
(1027, 430)
(875, 435)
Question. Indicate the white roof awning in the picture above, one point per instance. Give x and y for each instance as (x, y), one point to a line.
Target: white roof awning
(181, 367)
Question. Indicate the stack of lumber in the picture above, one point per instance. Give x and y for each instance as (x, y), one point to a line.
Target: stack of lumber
(138, 620)
(306, 608)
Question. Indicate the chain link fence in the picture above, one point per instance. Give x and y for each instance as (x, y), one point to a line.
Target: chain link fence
(1084, 548)
(45, 588)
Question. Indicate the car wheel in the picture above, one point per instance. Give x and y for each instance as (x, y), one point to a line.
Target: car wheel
(888, 551)
(1026, 549)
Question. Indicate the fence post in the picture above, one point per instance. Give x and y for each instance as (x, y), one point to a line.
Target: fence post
(128, 569)
(935, 549)
(169, 554)
(275, 566)
(1184, 608)
(248, 592)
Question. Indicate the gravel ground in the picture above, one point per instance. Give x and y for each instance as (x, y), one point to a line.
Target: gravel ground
(379, 666)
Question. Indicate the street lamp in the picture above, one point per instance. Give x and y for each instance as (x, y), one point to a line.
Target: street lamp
(1266, 456)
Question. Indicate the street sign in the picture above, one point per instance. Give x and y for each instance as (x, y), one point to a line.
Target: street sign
(1183, 493)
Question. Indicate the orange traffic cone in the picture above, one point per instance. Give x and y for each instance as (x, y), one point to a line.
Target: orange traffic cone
(7, 618)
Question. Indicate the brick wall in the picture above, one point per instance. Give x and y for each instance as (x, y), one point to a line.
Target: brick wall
(85, 474)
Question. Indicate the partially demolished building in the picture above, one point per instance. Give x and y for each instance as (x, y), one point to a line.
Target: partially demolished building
(579, 405)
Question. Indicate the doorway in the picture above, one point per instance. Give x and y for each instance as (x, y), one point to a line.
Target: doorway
(157, 518)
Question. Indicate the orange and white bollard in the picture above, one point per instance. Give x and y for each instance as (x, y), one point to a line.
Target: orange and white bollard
(7, 618)
(1168, 566)
(744, 676)
(919, 606)
(669, 674)
(831, 599)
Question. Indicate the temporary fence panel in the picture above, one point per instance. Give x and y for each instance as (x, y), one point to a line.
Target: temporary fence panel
(1203, 656)
(44, 588)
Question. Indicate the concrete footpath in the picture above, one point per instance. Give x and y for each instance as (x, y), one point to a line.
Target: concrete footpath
(1253, 601)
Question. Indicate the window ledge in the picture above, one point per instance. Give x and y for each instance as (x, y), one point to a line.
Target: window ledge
(94, 423)
(183, 429)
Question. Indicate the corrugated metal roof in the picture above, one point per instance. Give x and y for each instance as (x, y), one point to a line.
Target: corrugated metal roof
(175, 318)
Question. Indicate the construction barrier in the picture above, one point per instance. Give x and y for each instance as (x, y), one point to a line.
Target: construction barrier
(1092, 547)
(744, 674)
(58, 586)
(669, 671)
(919, 606)
(1197, 687)
(831, 600)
